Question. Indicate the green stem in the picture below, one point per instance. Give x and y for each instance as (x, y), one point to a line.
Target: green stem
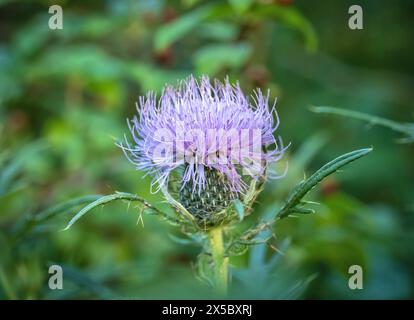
(219, 260)
(394, 125)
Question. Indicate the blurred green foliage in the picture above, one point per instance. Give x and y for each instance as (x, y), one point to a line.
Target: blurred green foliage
(64, 98)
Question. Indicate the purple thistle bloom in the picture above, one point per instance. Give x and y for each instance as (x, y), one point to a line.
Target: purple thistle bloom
(204, 127)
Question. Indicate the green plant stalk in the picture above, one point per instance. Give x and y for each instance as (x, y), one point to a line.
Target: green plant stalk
(374, 120)
(220, 261)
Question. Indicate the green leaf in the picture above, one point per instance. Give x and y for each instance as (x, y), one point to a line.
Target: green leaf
(294, 204)
(301, 210)
(193, 239)
(85, 61)
(9, 173)
(406, 128)
(113, 197)
(175, 30)
(239, 207)
(241, 5)
(213, 58)
(292, 18)
(28, 222)
(32, 36)
(219, 31)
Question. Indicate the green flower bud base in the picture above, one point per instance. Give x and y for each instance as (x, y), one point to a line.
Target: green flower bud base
(210, 204)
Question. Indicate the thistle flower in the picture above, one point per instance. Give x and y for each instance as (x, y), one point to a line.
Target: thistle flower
(219, 144)
(211, 135)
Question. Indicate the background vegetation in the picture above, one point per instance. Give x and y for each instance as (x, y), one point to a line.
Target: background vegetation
(64, 98)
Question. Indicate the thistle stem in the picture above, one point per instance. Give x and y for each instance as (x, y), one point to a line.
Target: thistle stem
(219, 260)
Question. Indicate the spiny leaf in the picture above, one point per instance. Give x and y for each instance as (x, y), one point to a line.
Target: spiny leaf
(191, 240)
(405, 128)
(293, 203)
(237, 248)
(113, 197)
(203, 270)
(180, 240)
(301, 210)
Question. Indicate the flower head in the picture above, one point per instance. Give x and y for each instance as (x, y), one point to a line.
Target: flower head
(213, 133)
